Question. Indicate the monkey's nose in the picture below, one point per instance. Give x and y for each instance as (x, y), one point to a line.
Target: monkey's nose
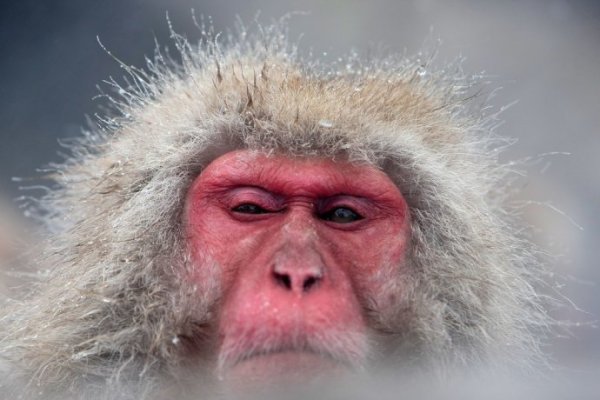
(297, 279)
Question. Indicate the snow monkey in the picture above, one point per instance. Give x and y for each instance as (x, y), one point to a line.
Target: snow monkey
(249, 217)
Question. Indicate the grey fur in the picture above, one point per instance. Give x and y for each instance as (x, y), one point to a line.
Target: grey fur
(114, 307)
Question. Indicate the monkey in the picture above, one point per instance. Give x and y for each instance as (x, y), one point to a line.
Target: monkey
(246, 216)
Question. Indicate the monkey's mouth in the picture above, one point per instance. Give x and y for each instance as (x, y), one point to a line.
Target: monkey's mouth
(275, 358)
(288, 352)
(284, 366)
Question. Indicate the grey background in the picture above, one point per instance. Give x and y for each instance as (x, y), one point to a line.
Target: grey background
(544, 54)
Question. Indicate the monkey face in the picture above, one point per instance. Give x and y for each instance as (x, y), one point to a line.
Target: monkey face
(300, 244)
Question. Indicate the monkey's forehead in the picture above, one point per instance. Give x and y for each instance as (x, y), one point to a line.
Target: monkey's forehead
(175, 122)
(278, 97)
(273, 103)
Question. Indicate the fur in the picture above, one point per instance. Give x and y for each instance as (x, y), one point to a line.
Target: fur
(114, 306)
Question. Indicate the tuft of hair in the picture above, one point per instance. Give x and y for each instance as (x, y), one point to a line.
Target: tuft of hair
(114, 309)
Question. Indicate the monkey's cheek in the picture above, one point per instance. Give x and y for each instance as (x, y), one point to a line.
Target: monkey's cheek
(278, 370)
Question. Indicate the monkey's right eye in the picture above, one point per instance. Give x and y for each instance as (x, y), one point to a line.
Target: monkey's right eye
(249, 208)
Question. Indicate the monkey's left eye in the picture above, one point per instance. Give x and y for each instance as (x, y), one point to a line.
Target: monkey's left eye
(249, 208)
(341, 215)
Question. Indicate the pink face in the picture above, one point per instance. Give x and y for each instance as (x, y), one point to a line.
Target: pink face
(300, 244)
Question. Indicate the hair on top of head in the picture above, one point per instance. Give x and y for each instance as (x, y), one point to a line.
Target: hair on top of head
(114, 307)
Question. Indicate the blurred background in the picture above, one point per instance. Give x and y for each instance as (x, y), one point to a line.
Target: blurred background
(543, 54)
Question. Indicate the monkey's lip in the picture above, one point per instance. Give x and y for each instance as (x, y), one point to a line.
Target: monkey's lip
(284, 366)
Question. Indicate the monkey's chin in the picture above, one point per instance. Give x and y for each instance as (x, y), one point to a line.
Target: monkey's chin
(282, 369)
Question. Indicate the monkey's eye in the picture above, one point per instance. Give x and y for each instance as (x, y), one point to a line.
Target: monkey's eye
(249, 208)
(341, 215)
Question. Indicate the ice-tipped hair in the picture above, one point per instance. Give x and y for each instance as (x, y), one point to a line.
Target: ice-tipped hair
(114, 307)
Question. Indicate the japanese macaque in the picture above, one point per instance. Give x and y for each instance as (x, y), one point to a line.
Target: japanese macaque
(246, 218)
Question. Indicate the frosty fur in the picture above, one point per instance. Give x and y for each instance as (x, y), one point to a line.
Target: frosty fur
(114, 313)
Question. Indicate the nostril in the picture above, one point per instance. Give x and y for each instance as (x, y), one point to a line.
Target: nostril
(309, 283)
(283, 279)
(299, 280)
